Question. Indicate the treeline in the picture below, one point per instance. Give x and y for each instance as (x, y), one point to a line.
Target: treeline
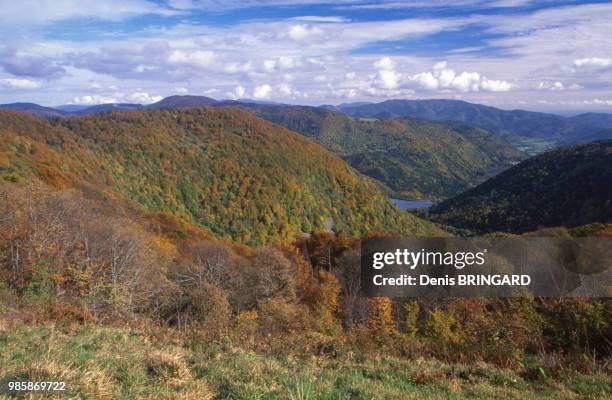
(71, 259)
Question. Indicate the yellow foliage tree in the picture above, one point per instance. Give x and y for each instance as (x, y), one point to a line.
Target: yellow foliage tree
(381, 320)
(327, 303)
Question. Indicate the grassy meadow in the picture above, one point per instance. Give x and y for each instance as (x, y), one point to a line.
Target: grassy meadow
(124, 363)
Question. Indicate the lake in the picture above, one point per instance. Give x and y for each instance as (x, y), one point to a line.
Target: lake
(411, 204)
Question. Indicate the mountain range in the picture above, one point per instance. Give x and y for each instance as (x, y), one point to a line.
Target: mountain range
(414, 148)
(519, 127)
(409, 158)
(512, 124)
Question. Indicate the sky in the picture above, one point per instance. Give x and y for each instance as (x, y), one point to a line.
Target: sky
(537, 55)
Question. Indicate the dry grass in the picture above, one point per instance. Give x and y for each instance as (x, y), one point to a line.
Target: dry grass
(111, 363)
(168, 368)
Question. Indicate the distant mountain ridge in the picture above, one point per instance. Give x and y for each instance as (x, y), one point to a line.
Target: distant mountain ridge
(513, 125)
(570, 186)
(184, 101)
(108, 107)
(35, 109)
(410, 158)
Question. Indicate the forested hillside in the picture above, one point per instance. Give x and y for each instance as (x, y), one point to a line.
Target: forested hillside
(413, 158)
(534, 130)
(118, 305)
(565, 187)
(112, 283)
(410, 158)
(224, 170)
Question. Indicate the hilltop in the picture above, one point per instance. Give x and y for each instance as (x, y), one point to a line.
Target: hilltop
(412, 158)
(224, 170)
(183, 102)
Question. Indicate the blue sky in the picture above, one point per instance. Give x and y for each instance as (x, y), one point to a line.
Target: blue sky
(549, 55)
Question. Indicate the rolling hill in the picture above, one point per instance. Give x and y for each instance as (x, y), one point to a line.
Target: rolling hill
(412, 158)
(515, 126)
(565, 187)
(600, 120)
(224, 170)
(183, 102)
(34, 109)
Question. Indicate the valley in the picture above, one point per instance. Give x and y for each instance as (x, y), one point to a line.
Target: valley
(208, 242)
(306, 200)
(410, 158)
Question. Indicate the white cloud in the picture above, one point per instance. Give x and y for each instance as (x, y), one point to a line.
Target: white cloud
(440, 78)
(557, 86)
(384, 63)
(549, 37)
(465, 81)
(236, 67)
(592, 64)
(144, 68)
(388, 79)
(28, 12)
(598, 102)
(143, 98)
(19, 83)
(508, 3)
(238, 92)
(585, 102)
(315, 18)
(284, 89)
(301, 32)
(93, 99)
(181, 89)
(551, 85)
(262, 91)
(269, 65)
(426, 80)
(495, 85)
(196, 58)
(280, 63)
(119, 97)
(285, 62)
(393, 5)
(217, 5)
(593, 61)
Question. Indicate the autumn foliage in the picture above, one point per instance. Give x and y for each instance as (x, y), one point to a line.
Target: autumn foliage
(97, 226)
